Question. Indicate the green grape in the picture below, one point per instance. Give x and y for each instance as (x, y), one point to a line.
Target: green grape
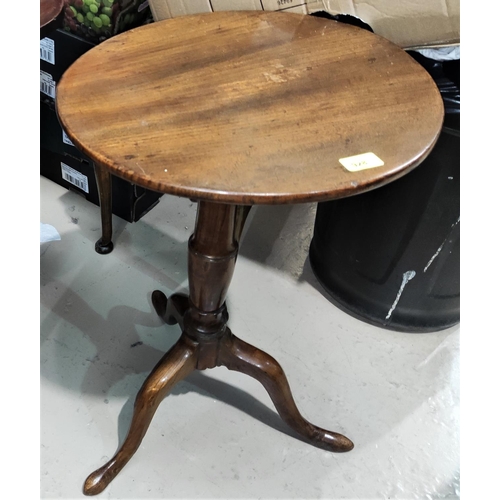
(73, 10)
(108, 11)
(87, 2)
(85, 9)
(97, 21)
(87, 23)
(107, 3)
(93, 8)
(79, 18)
(106, 21)
(90, 16)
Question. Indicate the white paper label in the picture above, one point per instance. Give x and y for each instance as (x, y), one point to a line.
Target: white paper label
(66, 139)
(74, 177)
(47, 84)
(281, 4)
(361, 162)
(47, 50)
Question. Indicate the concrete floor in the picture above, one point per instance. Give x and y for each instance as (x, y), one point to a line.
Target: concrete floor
(217, 434)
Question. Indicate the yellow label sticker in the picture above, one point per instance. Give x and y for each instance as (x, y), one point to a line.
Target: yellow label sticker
(361, 162)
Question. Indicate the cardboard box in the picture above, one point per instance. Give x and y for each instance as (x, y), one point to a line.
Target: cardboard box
(97, 20)
(52, 136)
(407, 23)
(58, 52)
(130, 202)
(61, 48)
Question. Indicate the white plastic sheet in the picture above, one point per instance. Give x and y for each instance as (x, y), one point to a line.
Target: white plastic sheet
(48, 233)
(442, 53)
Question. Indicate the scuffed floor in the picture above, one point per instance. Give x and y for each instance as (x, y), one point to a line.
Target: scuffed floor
(217, 434)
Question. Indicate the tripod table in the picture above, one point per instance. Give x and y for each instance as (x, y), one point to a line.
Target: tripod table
(234, 109)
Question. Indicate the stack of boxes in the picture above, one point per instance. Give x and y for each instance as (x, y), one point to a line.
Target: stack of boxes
(60, 160)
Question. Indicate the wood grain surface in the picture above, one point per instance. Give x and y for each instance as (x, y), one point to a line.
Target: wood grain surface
(50, 10)
(250, 107)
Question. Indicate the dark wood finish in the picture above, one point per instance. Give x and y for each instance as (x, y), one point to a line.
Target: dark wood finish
(51, 16)
(212, 255)
(233, 109)
(241, 217)
(103, 177)
(250, 107)
(242, 357)
(173, 367)
(207, 342)
(172, 310)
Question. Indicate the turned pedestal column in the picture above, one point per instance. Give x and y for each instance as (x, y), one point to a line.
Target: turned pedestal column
(207, 341)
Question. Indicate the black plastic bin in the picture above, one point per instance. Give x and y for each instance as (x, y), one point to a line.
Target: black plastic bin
(391, 257)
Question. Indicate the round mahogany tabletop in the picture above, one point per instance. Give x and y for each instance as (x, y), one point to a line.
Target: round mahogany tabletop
(50, 11)
(251, 108)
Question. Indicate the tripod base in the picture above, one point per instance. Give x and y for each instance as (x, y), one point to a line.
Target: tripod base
(188, 354)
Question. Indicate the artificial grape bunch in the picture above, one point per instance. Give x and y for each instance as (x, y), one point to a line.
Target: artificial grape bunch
(99, 19)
